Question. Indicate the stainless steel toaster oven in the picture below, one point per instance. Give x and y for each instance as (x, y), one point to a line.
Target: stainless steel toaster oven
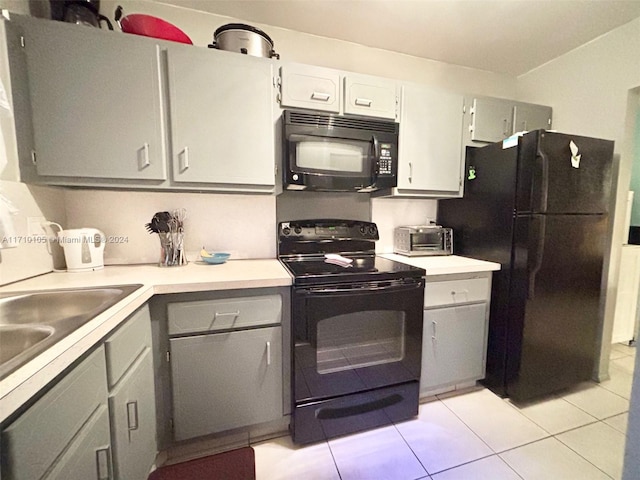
(423, 240)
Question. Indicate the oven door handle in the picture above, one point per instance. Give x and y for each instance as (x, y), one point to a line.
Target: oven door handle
(363, 288)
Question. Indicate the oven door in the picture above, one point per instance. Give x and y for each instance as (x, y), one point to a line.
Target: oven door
(355, 337)
(357, 357)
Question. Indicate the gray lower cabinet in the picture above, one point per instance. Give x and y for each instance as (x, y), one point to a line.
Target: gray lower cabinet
(133, 421)
(455, 328)
(64, 434)
(226, 380)
(97, 422)
(88, 457)
(132, 409)
(452, 346)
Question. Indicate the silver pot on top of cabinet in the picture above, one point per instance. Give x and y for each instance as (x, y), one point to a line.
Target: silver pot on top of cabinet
(242, 38)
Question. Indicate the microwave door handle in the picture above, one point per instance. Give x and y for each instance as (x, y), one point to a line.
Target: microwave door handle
(375, 164)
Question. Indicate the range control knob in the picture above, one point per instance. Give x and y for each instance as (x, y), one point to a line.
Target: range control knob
(297, 230)
(286, 231)
(372, 230)
(363, 229)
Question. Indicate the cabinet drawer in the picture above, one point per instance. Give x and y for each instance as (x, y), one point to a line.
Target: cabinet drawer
(212, 315)
(124, 346)
(455, 292)
(31, 444)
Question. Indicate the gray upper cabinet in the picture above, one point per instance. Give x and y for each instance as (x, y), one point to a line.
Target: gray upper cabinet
(306, 86)
(100, 108)
(491, 119)
(335, 91)
(531, 117)
(372, 96)
(95, 102)
(430, 144)
(494, 119)
(222, 118)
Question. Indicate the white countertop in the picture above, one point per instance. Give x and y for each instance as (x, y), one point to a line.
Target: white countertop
(445, 264)
(18, 387)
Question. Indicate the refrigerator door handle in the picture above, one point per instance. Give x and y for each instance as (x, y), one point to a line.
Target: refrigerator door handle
(543, 188)
(536, 253)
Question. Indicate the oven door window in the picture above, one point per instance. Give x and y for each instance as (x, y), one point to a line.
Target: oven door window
(331, 156)
(361, 339)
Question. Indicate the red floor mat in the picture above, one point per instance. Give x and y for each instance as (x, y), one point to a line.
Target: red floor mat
(234, 465)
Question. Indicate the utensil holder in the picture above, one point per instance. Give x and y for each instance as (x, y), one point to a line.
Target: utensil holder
(171, 249)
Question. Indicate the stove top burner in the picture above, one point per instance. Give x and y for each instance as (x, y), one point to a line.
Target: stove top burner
(303, 244)
(316, 270)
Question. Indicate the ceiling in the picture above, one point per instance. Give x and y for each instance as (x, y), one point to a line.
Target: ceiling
(507, 36)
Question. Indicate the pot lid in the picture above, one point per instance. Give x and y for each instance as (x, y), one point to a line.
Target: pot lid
(241, 26)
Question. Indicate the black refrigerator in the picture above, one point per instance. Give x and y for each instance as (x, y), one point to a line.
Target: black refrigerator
(538, 205)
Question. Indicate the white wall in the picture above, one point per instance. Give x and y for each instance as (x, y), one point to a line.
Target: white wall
(588, 86)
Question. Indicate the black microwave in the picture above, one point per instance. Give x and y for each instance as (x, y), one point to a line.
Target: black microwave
(334, 153)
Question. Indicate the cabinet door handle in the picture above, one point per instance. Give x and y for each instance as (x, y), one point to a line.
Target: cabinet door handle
(132, 415)
(435, 333)
(143, 157)
(103, 466)
(460, 292)
(323, 97)
(268, 353)
(183, 156)
(410, 172)
(235, 314)
(363, 102)
(505, 127)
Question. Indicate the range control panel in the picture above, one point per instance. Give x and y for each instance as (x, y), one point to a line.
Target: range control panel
(328, 229)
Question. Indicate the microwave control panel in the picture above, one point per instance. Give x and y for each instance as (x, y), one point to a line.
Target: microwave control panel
(385, 161)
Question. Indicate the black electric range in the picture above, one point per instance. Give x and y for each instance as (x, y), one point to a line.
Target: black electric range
(356, 329)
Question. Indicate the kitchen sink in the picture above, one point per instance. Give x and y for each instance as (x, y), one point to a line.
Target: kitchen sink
(30, 322)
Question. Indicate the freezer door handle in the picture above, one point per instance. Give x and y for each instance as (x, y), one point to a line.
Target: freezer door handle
(536, 251)
(541, 183)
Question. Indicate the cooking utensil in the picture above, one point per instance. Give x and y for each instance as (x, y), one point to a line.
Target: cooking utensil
(150, 26)
(170, 230)
(159, 222)
(238, 37)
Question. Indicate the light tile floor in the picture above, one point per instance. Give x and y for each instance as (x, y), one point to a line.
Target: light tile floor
(578, 434)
